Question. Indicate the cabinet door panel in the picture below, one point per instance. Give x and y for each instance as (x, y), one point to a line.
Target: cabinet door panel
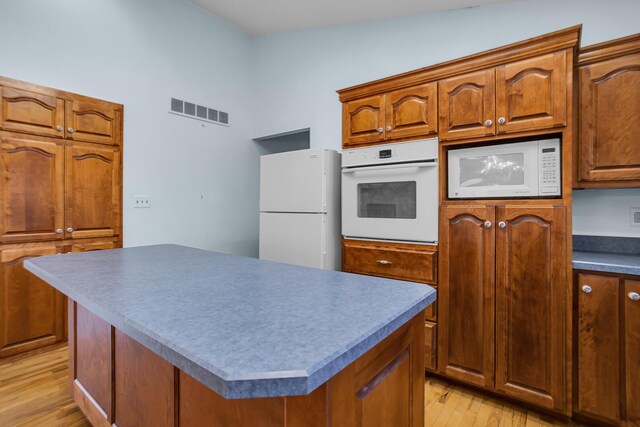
(598, 347)
(363, 121)
(531, 305)
(412, 111)
(532, 94)
(384, 387)
(609, 114)
(31, 112)
(430, 338)
(32, 191)
(93, 341)
(466, 294)
(96, 122)
(144, 386)
(32, 312)
(92, 191)
(632, 352)
(465, 103)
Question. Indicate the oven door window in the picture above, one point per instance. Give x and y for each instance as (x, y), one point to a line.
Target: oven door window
(387, 200)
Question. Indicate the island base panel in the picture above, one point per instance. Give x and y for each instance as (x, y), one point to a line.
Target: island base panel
(383, 387)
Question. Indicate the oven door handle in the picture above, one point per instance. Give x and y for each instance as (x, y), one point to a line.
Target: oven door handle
(396, 166)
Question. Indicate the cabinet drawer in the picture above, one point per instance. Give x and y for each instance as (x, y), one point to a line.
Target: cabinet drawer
(430, 330)
(416, 263)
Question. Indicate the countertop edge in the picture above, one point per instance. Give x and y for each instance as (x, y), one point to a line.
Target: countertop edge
(243, 388)
(609, 263)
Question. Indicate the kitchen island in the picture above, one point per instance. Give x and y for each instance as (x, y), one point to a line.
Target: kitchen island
(169, 335)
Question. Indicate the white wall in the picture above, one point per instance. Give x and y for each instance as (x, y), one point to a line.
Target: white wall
(605, 212)
(140, 53)
(296, 74)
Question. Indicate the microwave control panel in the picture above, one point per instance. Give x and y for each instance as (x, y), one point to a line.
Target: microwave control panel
(549, 179)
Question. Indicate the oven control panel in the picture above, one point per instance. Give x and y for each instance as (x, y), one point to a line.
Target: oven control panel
(384, 154)
(425, 149)
(549, 164)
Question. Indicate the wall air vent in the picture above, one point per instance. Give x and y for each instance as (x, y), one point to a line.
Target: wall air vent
(198, 112)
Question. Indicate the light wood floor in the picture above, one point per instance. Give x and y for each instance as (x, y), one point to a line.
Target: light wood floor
(33, 392)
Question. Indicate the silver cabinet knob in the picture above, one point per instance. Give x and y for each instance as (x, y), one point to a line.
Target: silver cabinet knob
(487, 224)
(380, 130)
(70, 230)
(59, 128)
(502, 224)
(586, 289)
(389, 128)
(634, 296)
(70, 130)
(488, 122)
(384, 262)
(59, 231)
(502, 120)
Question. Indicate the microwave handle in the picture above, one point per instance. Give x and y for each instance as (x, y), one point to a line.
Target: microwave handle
(396, 166)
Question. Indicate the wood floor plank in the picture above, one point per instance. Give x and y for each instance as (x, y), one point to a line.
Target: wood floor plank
(34, 393)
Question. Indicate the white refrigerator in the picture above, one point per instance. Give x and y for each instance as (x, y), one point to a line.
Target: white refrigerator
(300, 208)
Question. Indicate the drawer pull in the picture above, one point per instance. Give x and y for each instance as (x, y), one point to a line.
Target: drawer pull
(383, 262)
(634, 296)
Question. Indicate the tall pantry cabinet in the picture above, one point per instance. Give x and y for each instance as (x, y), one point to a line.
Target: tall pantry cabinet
(61, 191)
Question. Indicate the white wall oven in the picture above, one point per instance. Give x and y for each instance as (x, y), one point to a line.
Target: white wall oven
(390, 192)
(522, 169)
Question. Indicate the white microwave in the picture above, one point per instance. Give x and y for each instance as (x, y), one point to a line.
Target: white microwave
(522, 169)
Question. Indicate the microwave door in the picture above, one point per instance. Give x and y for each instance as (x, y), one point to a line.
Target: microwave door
(509, 171)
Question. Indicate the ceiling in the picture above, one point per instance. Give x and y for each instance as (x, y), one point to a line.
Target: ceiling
(272, 16)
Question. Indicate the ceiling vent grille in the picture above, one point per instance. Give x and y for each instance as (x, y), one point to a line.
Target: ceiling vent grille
(199, 112)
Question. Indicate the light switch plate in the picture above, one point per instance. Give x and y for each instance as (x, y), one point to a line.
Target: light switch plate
(635, 217)
(141, 201)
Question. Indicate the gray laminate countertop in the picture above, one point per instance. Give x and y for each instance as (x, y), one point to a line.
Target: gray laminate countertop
(607, 262)
(242, 326)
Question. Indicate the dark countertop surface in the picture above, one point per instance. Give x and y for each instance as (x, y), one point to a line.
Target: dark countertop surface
(607, 262)
(244, 327)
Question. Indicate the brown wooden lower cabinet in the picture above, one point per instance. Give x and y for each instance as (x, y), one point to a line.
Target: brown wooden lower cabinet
(502, 303)
(607, 348)
(466, 298)
(532, 308)
(32, 313)
(118, 382)
(403, 261)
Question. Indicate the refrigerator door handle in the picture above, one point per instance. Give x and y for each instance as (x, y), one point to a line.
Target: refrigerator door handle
(396, 166)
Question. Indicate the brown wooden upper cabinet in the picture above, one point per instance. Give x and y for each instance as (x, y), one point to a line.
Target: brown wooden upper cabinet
(400, 114)
(502, 304)
(609, 135)
(93, 191)
(39, 111)
(31, 311)
(467, 105)
(520, 96)
(32, 191)
(96, 122)
(31, 112)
